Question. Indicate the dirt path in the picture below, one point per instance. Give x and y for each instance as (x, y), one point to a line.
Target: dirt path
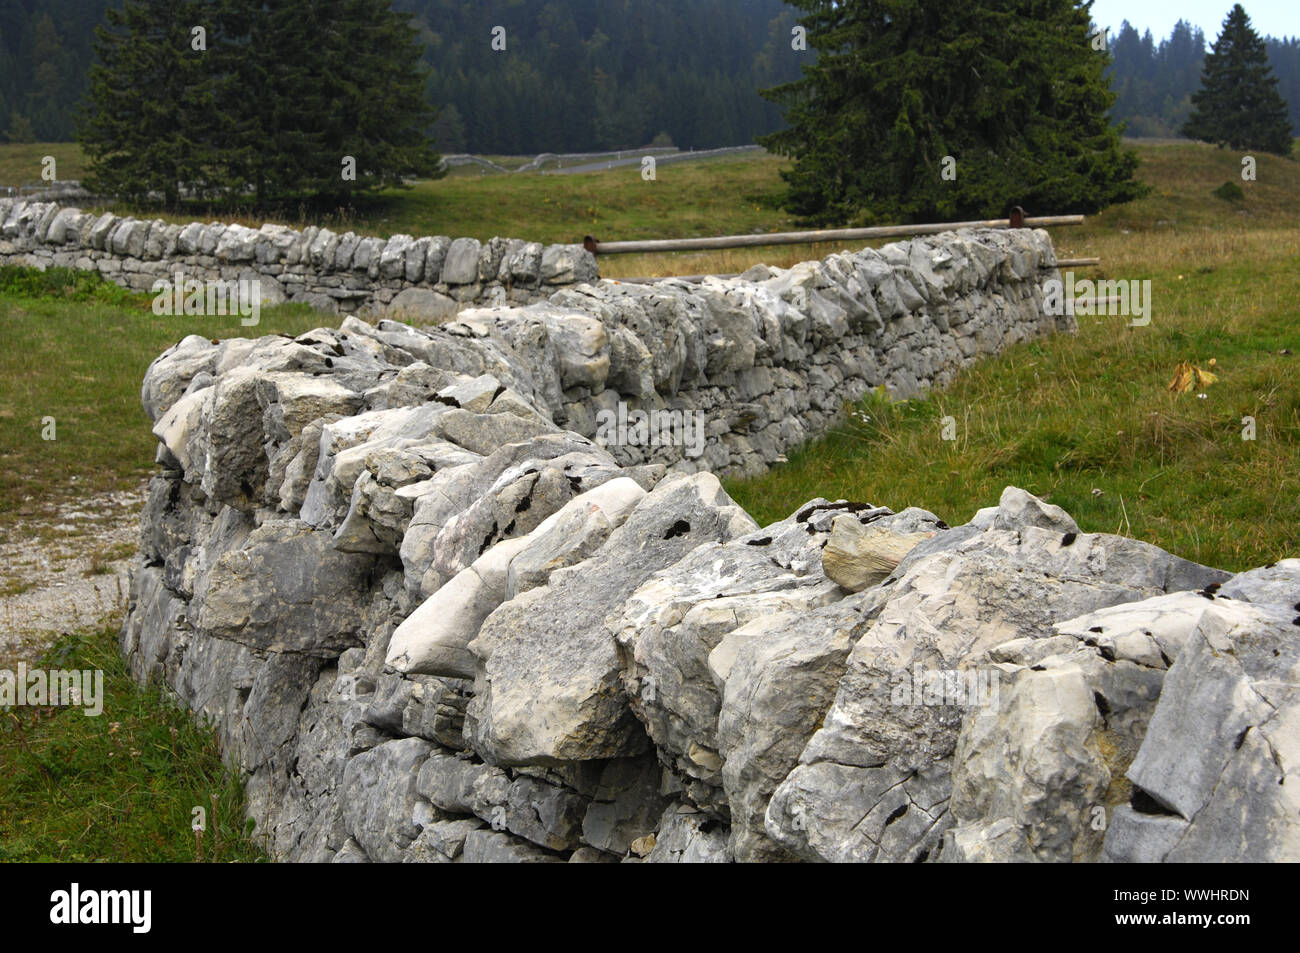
(67, 572)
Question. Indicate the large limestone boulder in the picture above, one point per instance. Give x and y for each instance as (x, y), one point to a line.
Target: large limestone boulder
(549, 688)
(285, 589)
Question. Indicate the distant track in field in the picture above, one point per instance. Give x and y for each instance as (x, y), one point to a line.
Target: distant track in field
(596, 161)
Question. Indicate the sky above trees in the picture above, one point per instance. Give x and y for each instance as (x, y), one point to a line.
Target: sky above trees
(1278, 18)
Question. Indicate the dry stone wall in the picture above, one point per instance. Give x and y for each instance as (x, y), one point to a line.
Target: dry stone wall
(432, 619)
(425, 278)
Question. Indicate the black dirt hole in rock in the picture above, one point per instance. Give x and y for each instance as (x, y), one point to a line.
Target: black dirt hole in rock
(329, 362)
(1213, 587)
(761, 541)
(1296, 620)
(1103, 706)
(1240, 739)
(1096, 628)
(710, 826)
(498, 392)
(803, 515)
(1068, 539)
(523, 504)
(896, 814)
(1143, 803)
(680, 528)
(1296, 607)
(922, 857)
(1205, 594)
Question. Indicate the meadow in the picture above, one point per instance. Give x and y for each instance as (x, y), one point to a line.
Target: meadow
(1085, 420)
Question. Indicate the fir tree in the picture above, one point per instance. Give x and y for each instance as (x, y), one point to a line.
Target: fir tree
(145, 130)
(281, 95)
(1011, 90)
(1238, 104)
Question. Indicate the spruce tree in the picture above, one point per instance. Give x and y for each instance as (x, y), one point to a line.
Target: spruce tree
(371, 103)
(280, 97)
(147, 127)
(1011, 90)
(1238, 104)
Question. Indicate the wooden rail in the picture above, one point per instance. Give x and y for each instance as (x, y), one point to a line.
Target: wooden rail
(823, 235)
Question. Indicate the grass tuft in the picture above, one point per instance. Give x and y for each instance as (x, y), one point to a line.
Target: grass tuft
(121, 786)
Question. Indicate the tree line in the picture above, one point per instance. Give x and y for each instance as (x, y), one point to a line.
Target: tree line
(239, 98)
(1154, 81)
(585, 75)
(895, 110)
(575, 75)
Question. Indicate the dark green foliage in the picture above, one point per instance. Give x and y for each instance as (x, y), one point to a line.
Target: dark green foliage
(1238, 104)
(152, 94)
(577, 75)
(1284, 56)
(1230, 192)
(45, 50)
(315, 82)
(65, 283)
(1012, 90)
(1153, 83)
(580, 75)
(271, 101)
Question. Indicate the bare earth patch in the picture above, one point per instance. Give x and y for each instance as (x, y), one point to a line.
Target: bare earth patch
(65, 572)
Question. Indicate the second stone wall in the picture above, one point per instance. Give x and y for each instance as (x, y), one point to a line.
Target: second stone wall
(770, 358)
(426, 278)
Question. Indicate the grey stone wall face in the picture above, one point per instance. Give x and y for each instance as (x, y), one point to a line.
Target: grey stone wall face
(422, 279)
(433, 619)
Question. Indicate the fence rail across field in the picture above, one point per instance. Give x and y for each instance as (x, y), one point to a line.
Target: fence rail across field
(811, 237)
(824, 235)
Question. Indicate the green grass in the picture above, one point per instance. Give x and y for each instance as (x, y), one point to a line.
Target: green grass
(120, 786)
(1062, 417)
(1070, 414)
(76, 349)
(21, 163)
(616, 204)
